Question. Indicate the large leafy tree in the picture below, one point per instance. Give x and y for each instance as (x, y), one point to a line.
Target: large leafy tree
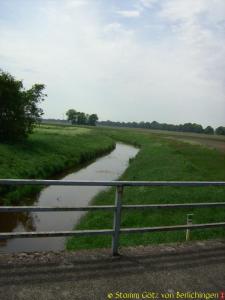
(19, 109)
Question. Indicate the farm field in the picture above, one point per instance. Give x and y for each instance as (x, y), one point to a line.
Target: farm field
(55, 149)
(47, 153)
(211, 141)
(160, 158)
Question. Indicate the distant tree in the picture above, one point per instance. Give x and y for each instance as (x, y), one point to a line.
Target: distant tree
(81, 118)
(155, 125)
(92, 119)
(72, 116)
(186, 127)
(19, 109)
(209, 130)
(220, 130)
(197, 128)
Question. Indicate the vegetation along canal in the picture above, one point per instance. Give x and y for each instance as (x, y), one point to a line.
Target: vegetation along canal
(109, 167)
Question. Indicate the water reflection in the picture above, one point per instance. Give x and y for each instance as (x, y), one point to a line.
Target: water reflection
(21, 221)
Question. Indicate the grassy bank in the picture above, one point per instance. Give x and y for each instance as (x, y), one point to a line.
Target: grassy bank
(48, 152)
(159, 159)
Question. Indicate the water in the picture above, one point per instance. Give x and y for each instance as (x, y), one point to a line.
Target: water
(109, 167)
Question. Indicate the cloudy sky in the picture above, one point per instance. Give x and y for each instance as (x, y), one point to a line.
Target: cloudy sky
(126, 60)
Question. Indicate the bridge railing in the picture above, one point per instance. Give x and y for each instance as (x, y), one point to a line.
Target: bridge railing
(117, 208)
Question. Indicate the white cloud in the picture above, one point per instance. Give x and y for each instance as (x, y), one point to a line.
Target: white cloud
(112, 27)
(147, 3)
(75, 3)
(117, 31)
(129, 13)
(176, 10)
(199, 26)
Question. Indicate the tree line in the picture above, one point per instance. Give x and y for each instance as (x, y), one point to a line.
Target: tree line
(81, 118)
(187, 127)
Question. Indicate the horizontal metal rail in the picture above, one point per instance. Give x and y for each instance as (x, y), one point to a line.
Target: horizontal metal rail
(106, 207)
(172, 228)
(10, 235)
(174, 205)
(110, 183)
(48, 209)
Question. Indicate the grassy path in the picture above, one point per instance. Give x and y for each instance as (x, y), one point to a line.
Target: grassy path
(48, 152)
(159, 159)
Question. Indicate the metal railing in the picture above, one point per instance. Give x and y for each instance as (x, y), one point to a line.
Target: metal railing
(117, 207)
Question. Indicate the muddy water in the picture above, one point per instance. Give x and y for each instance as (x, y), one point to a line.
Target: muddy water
(109, 167)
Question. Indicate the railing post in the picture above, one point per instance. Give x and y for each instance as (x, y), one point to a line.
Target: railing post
(189, 222)
(117, 218)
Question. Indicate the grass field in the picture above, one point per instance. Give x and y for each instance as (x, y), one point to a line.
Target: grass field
(48, 152)
(162, 156)
(211, 141)
(159, 158)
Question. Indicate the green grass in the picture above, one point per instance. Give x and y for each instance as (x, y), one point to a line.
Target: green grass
(159, 159)
(48, 152)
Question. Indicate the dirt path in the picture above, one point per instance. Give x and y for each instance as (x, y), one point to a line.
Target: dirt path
(139, 273)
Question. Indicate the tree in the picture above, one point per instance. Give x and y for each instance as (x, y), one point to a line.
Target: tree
(72, 116)
(92, 119)
(19, 109)
(81, 118)
(209, 130)
(155, 125)
(220, 130)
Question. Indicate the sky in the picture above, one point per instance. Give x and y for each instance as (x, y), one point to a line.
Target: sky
(126, 60)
